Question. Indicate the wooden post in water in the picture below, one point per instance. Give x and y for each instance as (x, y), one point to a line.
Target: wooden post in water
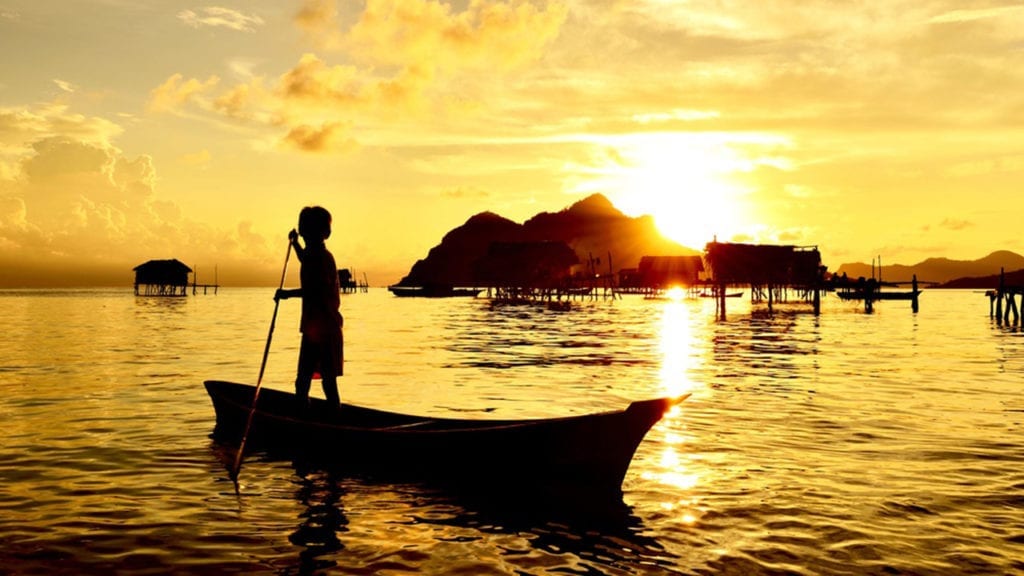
(721, 301)
(999, 295)
(1006, 310)
(1011, 307)
(818, 281)
(913, 298)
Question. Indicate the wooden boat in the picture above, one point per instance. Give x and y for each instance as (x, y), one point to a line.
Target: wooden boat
(589, 453)
(877, 295)
(433, 291)
(714, 294)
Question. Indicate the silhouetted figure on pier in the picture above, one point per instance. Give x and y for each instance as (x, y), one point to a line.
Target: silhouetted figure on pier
(322, 350)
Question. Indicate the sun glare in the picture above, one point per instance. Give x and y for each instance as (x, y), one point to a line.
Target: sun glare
(686, 181)
(676, 341)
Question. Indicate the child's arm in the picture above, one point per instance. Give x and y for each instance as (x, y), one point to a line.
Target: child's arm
(293, 237)
(283, 294)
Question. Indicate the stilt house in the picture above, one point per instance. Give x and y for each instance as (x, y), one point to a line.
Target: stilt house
(161, 278)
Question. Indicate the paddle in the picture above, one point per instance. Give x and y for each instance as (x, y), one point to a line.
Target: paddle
(255, 396)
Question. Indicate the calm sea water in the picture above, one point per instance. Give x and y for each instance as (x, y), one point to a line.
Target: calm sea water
(846, 443)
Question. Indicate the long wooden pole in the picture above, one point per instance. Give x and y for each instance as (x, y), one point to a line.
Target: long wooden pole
(263, 365)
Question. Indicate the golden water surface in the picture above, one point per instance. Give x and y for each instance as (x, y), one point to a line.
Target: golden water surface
(845, 443)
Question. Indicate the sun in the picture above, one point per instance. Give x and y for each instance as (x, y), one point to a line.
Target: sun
(686, 181)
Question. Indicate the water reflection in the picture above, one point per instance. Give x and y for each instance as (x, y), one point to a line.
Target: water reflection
(322, 521)
(389, 524)
(676, 344)
(593, 536)
(681, 359)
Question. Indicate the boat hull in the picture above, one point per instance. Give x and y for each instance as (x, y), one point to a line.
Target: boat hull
(859, 295)
(590, 452)
(434, 292)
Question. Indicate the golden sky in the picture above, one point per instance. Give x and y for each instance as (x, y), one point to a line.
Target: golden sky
(137, 129)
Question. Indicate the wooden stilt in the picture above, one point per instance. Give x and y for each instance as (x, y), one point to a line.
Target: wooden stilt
(999, 295)
(721, 301)
(913, 299)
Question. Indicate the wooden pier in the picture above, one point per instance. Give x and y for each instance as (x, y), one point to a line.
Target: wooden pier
(1002, 302)
(205, 287)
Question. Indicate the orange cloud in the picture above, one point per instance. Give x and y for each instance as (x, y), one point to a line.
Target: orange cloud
(312, 79)
(81, 205)
(428, 33)
(176, 92)
(318, 19)
(413, 55)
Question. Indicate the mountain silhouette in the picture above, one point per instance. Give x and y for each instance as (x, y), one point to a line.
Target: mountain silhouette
(941, 270)
(593, 227)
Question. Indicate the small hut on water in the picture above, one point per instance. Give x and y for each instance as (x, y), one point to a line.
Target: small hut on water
(162, 278)
(348, 284)
(769, 270)
(526, 271)
(659, 273)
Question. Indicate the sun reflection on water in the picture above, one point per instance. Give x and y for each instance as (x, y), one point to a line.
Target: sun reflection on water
(676, 343)
(679, 359)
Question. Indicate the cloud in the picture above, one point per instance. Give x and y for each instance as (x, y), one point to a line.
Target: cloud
(486, 35)
(200, 158)
(955, 224)
(460, 192)
(317, 138)
(175, 92)
(403, 60)
(318, 19)
(312, 79)
(967, 15)
(75, 202)
(219, 17)
(21, 127)
(65, 86)
(677, 114)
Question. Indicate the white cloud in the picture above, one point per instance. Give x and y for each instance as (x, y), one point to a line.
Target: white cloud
(64, 85)
(220, 17)
(967, 15)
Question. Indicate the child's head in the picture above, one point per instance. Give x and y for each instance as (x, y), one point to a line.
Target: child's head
(315, 223)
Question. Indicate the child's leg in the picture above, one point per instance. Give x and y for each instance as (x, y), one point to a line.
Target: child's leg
(304, 375)
(330, 385)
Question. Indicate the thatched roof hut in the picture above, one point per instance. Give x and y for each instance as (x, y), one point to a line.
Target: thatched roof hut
(162, 278)
(763, 264)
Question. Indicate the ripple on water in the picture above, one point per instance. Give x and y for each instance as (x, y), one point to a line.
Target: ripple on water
(840, 444)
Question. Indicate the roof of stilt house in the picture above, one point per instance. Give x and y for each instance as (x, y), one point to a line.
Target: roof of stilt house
(668, 270)
(524, 263)
(735, 263)
(172, 272)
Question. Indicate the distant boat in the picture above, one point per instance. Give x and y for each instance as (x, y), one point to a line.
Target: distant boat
(587, 453)
(714, 294)
(877, 295)
(434, 291)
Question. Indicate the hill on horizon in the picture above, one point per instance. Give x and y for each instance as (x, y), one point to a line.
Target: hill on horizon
(592, 227)
(942, 271)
